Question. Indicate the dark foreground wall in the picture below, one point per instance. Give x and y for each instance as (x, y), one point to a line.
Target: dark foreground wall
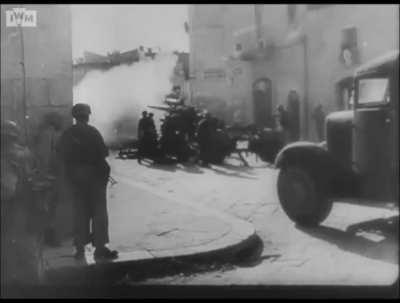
(46, 51)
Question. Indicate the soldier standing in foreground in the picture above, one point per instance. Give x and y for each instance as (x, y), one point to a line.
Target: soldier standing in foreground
(83, 151)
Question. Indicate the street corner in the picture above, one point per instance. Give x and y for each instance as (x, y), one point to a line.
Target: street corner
(152, 232)
(169, 227)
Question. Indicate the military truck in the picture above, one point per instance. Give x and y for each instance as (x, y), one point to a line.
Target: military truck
(360, 158)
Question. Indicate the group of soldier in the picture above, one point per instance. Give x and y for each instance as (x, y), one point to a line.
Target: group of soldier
(288, 119)
(184, 134)
(30, 192)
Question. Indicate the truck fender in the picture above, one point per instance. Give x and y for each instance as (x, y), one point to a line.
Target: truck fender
(302, 153)
(317, 160)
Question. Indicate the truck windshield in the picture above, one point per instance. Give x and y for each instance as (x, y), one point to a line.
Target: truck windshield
(373, 90)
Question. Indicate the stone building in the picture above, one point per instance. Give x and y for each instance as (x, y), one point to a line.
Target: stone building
(45, 82)
(36, 73)
(247, 58)
(180, 75)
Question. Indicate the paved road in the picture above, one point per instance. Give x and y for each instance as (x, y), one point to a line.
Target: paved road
(341, 251)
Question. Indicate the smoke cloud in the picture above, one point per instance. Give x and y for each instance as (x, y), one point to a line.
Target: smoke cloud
(123, 92)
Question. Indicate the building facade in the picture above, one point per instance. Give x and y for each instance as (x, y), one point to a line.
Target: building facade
(36, 77)
(36, 66)
(248, 58)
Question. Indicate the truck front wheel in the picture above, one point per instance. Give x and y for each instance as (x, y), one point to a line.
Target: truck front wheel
(303, 196)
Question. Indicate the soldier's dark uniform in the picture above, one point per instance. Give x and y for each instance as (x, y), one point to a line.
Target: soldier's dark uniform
(142, 125)
(21, 261)
(150, 137)
(83, 150)
(204, 132)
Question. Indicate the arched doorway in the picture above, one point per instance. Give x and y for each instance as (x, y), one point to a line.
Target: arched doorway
(262, 101)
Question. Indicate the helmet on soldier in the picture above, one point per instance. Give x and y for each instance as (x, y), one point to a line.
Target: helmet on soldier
(81, 110)
(10, 129)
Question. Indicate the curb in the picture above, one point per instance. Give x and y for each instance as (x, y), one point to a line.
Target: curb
(104, 273)
(142, 264)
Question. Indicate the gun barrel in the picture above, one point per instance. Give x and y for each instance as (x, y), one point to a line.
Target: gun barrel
(164, 108)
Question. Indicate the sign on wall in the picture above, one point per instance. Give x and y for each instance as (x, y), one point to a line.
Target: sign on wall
(21, 17)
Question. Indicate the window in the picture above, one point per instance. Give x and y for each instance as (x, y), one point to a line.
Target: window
(373, 90)
(348, 48)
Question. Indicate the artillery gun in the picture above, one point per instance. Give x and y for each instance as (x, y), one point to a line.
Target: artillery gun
(178, 141)
(178, 134)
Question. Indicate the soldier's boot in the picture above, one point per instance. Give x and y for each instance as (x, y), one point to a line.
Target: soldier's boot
(105, 253)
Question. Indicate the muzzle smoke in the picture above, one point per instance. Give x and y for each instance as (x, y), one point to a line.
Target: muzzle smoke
(123, 92)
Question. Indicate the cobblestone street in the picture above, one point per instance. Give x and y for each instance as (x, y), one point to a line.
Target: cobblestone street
(356, 245)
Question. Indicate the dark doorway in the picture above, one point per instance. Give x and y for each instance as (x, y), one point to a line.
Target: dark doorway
(293, 108)
(262, 99)
(344, 90)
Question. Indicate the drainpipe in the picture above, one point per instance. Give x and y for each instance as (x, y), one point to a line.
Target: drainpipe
(24, 105)
(306, 81)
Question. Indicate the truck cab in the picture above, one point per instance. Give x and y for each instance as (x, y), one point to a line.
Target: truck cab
(375, 131)
(360, 158)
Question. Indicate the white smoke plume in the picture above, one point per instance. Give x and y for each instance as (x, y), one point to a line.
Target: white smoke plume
(123, 92)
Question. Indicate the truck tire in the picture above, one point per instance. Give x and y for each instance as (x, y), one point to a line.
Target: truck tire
(303, 196)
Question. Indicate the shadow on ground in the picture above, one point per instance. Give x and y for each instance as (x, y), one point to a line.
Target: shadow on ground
(109, 273)
(231, 174)
(245, 257)
(192, 169)
(230, 170)
(238, 168)
(252, 256)
(359, 238)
